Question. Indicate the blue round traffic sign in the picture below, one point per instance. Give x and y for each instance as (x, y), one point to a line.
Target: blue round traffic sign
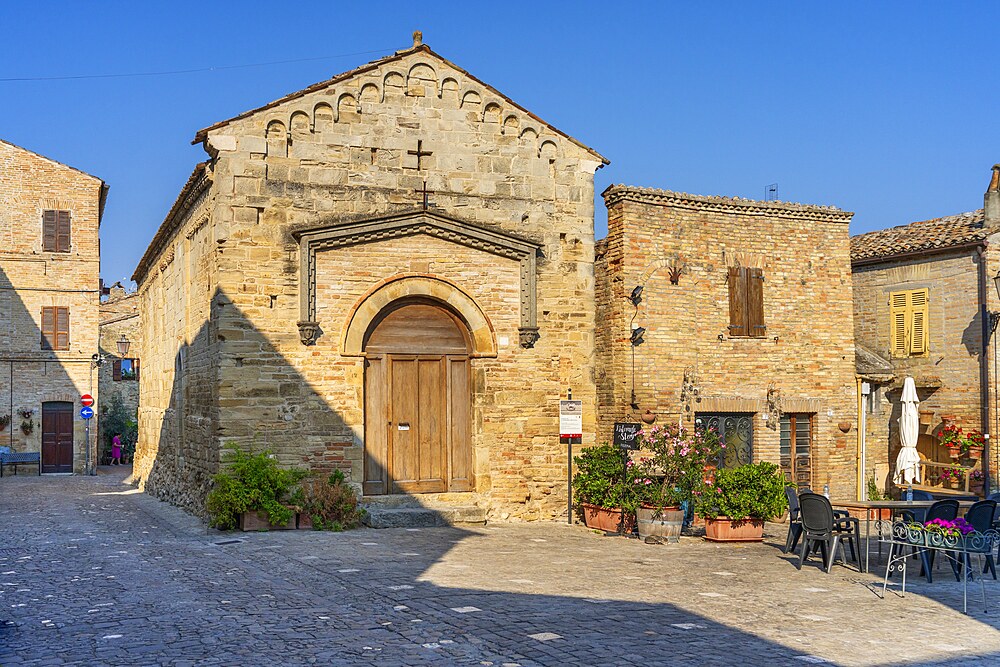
(87, 413)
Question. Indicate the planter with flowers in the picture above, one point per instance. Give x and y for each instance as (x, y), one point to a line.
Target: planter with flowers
(740, 500)
(938, 532)
(950, 436)
(605, 488)
(672, 476)
(976, 481)
(952, 477)
(972, 444)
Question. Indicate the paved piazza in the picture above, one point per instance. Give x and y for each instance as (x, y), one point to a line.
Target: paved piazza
(94, 573)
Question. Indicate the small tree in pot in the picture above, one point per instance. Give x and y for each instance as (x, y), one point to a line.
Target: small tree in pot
(739, 500)
(604, 486)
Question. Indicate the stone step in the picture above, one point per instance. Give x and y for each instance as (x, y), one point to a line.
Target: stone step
(378, 516)
(421, 500)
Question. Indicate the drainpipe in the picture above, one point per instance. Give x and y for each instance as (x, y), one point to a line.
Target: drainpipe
(861, 440)
(984, 367)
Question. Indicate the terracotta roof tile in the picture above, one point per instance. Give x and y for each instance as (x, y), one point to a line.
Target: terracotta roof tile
(926, 235)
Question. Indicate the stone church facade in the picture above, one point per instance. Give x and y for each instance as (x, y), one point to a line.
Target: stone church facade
(390, 273)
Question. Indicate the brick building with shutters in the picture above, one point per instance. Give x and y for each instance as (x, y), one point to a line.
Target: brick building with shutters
(922, 297)
(119, 377)
(747, 315)
(49, 292)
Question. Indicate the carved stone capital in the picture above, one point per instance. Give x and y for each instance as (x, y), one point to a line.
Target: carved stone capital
(308, 332)
(528, 336)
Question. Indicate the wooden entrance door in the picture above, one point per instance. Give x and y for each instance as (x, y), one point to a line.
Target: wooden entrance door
(417, 403)
(57, 436)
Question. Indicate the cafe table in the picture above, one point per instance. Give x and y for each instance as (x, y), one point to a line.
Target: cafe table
(895, 506)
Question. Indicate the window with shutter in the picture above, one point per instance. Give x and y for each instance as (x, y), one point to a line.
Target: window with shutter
(116, 370)
(746, 302)
(908, 319)
(56, 231)
(48, 328)
(795, 449)
(55, 328)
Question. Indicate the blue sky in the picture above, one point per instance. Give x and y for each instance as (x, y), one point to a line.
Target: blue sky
(885, 109)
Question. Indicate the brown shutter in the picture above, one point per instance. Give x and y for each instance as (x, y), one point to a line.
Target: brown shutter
(116, 371)
(737, 301)
(135, 368)
(63, 232)
(62, 328)
(48, 327)
(49, 231)
(755, 303)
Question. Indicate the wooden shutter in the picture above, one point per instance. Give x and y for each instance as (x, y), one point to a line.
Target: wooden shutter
(918, 322)
(738, 301)
(62, 328)
(898, 322)
(135, 368)
(62, 231)
(48, 328)
(49, 225)
(116, 370)
(755, 303)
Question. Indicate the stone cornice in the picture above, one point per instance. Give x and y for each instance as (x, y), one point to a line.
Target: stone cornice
(618, 193)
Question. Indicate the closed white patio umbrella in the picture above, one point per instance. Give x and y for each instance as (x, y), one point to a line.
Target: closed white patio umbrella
(908, 460)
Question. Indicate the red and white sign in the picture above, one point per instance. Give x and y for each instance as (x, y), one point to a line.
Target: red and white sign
(86, 400)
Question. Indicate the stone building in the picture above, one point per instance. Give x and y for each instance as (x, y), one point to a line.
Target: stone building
(118, 375)
(746, 309)
(390, 273)
(923, 294)
(49, 293)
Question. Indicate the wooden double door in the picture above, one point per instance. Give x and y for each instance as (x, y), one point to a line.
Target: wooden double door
(57, 436)
(417, 403)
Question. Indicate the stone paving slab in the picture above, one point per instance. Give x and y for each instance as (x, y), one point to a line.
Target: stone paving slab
(94, 573)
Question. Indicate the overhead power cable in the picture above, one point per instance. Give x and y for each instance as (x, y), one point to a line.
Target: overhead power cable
(186, 71)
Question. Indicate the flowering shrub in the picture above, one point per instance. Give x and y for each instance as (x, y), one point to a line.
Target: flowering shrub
(950, 436)
(676, 471)
(957, 528)
(973, 440)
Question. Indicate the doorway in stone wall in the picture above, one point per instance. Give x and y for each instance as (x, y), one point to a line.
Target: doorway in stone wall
(57, 436)
(417, 401)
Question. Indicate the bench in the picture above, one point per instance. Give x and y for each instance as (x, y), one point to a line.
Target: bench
(20, 459)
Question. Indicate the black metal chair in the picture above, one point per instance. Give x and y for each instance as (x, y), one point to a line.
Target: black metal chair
(819, 527)
(980, 516)
(795, 522)
(917, 514)
(943, 509)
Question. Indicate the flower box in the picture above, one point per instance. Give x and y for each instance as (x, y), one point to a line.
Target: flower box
(606, 518)
(258, 521)
(725, 529)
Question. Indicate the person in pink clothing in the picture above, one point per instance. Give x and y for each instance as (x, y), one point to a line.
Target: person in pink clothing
(116, 450)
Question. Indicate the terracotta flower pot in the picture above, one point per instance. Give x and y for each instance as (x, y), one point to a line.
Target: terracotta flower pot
(725, 529)
(665, 523)
(954, 452)
(975, 452)
(606, 518)
(251, 521)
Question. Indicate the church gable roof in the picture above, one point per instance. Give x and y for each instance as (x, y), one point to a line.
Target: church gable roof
(418, 48)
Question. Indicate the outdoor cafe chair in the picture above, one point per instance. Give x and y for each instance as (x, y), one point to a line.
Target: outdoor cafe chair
(980, 517)
(820, 527)
(917, 513)
(795, 522)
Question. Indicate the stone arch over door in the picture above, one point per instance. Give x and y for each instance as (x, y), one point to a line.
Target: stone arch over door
(418, 399)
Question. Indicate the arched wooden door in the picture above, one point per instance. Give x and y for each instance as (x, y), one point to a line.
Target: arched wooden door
(417, 402)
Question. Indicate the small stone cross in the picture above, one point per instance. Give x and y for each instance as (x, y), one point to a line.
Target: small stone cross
(424, 191)
(420, 152)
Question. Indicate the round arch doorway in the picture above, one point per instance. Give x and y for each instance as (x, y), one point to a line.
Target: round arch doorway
(417, 401)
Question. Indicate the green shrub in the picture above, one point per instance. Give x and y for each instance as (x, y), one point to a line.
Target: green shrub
(754, 491)
(250, 482)
(677, 468)
(330, 502)
(601, 478)
(117, 418)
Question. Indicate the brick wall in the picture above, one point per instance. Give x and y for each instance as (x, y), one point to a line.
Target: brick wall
(31, 278)
(806, 357)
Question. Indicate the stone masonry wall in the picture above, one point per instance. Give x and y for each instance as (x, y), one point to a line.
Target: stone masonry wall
(31, 279)
(119, 316)
(342, 153)
(807, 355)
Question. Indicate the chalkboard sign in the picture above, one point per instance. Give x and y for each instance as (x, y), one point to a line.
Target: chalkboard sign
(625, 434)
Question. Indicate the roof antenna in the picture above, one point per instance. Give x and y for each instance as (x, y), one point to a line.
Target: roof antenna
(771, 192)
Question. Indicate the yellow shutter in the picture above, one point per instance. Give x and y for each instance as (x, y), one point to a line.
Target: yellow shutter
(898, 321)
(918, 321)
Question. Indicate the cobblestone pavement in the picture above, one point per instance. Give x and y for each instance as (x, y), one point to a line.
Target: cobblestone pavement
(94, 573)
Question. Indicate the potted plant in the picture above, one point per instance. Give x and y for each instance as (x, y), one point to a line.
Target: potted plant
(327, 503)
(973, 444)
(251, 491)
(606, 498)
(740, 500)
(671, 476)
(976, 481)
(951, 477)
(950, 436)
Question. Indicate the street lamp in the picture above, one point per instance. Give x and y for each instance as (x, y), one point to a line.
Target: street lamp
(123, 344)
